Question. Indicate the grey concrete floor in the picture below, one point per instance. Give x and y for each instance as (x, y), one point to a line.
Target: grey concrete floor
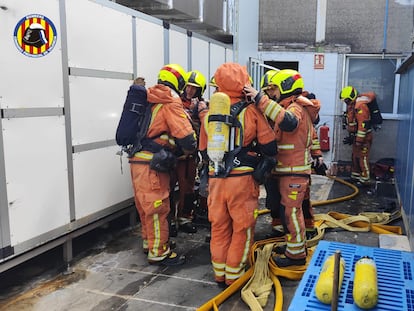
(110, 271)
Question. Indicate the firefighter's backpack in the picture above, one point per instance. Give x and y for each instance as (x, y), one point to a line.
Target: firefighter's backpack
(229, 156)
(135, 120)
(375, 113)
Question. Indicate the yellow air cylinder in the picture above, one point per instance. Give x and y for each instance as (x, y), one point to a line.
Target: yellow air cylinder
(218, 131)
(325, 283)
(365, 291)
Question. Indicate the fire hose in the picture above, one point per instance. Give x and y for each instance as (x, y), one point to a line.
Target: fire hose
(257, 282)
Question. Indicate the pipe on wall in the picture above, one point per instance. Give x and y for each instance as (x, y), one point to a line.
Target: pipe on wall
(384, 44)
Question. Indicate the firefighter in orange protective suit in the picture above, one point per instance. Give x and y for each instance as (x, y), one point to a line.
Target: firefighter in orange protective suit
(186, 170)
(293, 116)
(358, 119)
(168, 131)
(273, 197)
(233, 196)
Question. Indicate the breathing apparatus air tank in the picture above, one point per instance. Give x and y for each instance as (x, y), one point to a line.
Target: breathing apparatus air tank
(218, 129)
(325, 283)
(365, 290)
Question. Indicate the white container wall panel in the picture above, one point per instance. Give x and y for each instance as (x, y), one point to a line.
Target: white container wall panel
(96, 107)
(229, 55)
(150, 50)
(313, 77)
(321, 82)
(178, 48)
(217, 57)
(36, 175)
(98, 180)
(98, 37)
(200, 56)
(31, 76)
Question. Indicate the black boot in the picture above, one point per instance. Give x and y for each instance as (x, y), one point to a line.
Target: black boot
(173, 259)
(185, 222)
(173, 230)
(201, 216)
(281, 249)
(311, 233)
(188, 227)
(275, 234)
(284, 261)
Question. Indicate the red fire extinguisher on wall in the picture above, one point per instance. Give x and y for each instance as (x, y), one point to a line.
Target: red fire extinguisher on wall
(324, 137)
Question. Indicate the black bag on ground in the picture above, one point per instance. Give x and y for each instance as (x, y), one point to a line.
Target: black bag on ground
(384, 169)
(135, 120)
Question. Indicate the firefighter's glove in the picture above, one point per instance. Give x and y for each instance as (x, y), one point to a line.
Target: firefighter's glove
(263, 169)
(318, 166)
(251, 94)
(317, 161)
(163, 161)
(349, 140)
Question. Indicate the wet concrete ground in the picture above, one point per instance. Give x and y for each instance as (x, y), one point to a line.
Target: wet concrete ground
(110, 271)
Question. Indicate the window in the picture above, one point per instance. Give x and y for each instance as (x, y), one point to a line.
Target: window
(283, 65)
(378, 75)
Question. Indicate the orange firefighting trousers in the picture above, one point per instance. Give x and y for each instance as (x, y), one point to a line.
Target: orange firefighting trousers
(293, 189)
(151, 191)
(232, 211)
(360, 160)
(273, 199)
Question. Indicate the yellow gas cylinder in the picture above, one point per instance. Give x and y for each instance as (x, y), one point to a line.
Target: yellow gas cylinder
(324, 285)
(218, 130)
(365, 291)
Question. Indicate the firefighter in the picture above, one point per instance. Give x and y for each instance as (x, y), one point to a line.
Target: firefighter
(151, 167)
(233, 197)
(293, 116)
(358, 119)
(212, 83)
(271, 185)
(186, 170)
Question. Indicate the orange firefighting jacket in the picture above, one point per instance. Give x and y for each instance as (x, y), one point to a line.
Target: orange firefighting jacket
(169, 122)
(358, 116)
(293, 118)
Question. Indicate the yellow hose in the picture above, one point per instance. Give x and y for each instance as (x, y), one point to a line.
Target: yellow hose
(329, 201)
(225, 294)
(362, 222)
(278, 293)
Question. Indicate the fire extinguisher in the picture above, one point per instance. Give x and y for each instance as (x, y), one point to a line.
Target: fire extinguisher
(324, 137)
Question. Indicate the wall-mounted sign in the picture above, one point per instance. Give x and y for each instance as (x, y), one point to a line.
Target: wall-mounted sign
(319, 61)
(35, 35)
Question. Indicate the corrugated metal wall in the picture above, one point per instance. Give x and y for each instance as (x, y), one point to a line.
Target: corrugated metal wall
(405, 146)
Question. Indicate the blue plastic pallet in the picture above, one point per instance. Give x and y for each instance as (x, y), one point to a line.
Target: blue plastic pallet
(394, 273)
